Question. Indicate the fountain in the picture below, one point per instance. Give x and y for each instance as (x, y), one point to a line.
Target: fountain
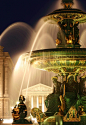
(67, 103)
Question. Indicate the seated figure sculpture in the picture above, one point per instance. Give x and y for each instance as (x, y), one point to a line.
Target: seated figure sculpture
(71, 91)
(82, 93)
(82, 88)
(20, 110)
(52, 101)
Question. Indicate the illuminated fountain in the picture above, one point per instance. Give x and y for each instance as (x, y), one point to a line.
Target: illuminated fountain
(67, 103)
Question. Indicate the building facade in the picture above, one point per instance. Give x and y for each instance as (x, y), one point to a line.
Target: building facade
(36, 95)
(6, 68)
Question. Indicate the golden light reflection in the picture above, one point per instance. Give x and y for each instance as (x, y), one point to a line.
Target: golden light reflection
(12, 107)
(40, 100)
(6, 121)
(57, 42)
(69, 41)
(17, 103)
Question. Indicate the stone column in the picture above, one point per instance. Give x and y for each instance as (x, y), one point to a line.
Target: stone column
(1, 108)
(6, 81)
(6, 108)
(42, 103)
(6, 99)
(45, 109)
(29, 106)
(37, 102)
(1, 78)
(31, 102)
(1, 89)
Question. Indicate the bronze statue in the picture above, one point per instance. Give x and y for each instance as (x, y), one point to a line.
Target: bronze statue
(82, 88)
(82, 93)
(57, 85)
(19, 110)
(71, 85)
(53, 100)
(71, 91)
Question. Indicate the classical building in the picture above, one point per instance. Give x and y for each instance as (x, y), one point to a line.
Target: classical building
(35, 96)
(6, 68)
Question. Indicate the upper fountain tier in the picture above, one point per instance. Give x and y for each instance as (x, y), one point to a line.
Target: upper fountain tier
(68, 57)
(68, 20)
(67, 13)
(60, 14)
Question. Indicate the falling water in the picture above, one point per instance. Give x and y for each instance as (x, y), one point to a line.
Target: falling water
(22, 81)
(20, 67)
(82, 28)
(28, 66)
(15, 39)
(11, 38)
(34, 45)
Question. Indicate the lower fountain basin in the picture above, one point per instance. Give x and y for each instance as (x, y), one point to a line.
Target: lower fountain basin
(64, 60)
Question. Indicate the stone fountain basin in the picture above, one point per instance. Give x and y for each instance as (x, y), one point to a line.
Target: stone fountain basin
(64, 60)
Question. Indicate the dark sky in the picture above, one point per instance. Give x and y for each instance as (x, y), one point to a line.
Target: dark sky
(28, 11)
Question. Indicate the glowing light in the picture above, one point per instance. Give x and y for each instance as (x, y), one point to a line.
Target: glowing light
(12, 107)
(69, 41)
(34, 120)
(7, 120)
(32, 102)
(17, 102)
(57, 42)
(37, 102)
(42, 104)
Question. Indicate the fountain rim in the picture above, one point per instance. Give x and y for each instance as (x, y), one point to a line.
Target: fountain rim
(62, 56)
(62, 51)
(58, 15)
(72, 10)
(56, 49)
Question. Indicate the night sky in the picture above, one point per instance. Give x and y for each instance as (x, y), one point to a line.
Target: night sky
(28, 11)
